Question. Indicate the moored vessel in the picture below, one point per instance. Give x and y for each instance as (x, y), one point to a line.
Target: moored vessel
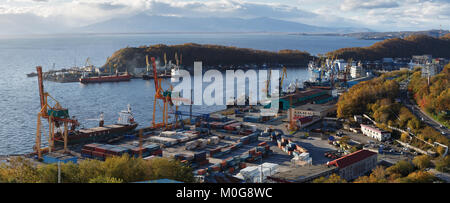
(109, 78)
(101, 133)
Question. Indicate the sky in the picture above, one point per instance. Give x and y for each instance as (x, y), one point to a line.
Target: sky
(378, 15)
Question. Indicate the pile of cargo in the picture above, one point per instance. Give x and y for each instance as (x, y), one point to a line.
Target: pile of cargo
(221, 151)
(186, 159)
(202, 143)
(233, 126)
(58, 157)
(196, 144)
(170, 138)
(199, 159)
(149, 150)
(229, 165)
(254, 174)
(216, 125)
(300, 154)
(256, 154)
(166, 141)
(218, 118)
(249, 138)
(102, 151)
(252, 119)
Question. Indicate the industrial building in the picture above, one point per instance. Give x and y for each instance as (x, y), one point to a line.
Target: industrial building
(319, 110)
(357, 71)
(316, 96)
(302, 174)
(356, 164)
(375, 133)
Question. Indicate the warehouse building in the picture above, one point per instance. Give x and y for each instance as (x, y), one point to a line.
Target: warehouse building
(316, 96)
(318, 110)
(375, 133)
(356, 164)
(302, 174)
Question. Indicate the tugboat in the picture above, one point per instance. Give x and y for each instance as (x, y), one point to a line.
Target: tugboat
(103, 132)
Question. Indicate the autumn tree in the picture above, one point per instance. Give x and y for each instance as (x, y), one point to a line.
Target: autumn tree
(422, 161)
(333, 178)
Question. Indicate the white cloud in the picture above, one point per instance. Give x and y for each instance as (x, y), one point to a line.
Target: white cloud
(348, 5)
(374, 14)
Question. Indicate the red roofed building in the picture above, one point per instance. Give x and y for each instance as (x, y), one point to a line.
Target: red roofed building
(356, 164)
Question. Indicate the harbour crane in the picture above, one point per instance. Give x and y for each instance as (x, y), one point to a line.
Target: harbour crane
(347, 71)
(55, 115)
(283, 75)
(160, 94)
(165, 64)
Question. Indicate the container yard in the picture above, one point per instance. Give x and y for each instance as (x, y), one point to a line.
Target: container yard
(241, 143)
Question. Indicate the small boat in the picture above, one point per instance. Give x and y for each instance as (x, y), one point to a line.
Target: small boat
(31, 74)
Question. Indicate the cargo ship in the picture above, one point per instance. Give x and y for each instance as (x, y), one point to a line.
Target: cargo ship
(101, 133)
(109, 78)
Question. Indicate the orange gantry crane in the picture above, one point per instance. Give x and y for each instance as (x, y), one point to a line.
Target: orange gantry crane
(56, 117)
(160, 94)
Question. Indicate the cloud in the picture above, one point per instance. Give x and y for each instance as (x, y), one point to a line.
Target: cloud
(373, 14)
(349, 5)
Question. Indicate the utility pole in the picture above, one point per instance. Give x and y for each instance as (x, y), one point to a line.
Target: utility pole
(190, 107)
(59, 171)
(261, 172)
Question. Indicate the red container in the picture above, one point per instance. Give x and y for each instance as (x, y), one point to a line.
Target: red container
(98, 154)
(201, 172)
(262, 144)
(216, 168)
(242, 165)
(223, 164)
(157, 152)
(85, 151)
(100, 149)
(231, 170)
(204, 162)
(252, 151)
(90, 147)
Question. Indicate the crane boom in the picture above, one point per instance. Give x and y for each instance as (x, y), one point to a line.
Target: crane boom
(41, 87)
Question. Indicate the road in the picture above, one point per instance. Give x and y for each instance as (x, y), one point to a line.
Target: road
(420, 114)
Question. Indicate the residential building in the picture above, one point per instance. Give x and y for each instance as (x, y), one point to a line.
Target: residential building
(375, 133)
(431, 69)
(357, 71)
(356, 164)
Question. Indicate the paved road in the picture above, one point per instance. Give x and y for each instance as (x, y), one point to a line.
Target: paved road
(421, 115)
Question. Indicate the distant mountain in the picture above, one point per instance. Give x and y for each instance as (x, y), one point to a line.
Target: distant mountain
(145, 23)
(392, 48)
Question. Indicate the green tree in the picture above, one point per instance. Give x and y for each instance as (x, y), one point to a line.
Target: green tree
(402, 167)
(104, 179)
(422, 161)
(443, 164)
(333, 178)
